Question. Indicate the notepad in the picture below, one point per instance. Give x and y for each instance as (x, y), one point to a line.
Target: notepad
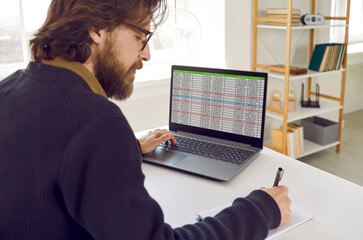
(298, 216)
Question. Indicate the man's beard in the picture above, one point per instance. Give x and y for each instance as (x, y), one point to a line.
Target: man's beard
(115, 80)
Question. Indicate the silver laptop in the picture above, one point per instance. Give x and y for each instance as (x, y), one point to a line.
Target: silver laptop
(217, 117)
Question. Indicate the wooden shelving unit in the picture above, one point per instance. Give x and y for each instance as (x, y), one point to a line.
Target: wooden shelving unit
(328, 103)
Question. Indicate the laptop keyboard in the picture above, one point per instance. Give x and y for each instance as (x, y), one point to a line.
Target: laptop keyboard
(209, 150)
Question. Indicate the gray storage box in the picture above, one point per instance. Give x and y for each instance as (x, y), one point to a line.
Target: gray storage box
(320, 130)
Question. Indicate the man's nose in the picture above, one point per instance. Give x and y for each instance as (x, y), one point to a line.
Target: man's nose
(145, 54)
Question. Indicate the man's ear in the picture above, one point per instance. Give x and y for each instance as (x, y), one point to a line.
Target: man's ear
(97, 36)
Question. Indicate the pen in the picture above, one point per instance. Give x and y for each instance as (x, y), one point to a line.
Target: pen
(279, 174)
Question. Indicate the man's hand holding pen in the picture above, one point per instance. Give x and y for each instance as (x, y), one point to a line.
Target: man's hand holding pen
(280, 195)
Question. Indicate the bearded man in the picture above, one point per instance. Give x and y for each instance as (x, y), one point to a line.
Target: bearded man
(70, 166)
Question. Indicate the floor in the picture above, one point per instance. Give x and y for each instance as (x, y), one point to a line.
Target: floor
(348, 164)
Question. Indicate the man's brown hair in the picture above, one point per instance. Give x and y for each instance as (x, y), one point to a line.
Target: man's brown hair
(65, 32)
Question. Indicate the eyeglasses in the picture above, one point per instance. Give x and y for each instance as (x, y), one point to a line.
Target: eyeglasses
(147, 33)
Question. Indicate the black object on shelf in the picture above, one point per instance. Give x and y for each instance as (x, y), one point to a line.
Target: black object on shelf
(309, 103)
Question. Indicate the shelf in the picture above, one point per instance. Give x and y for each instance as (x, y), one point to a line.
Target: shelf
(328, 103)
(309, 147)
(310, 73)
(326, 106)
(302, 27)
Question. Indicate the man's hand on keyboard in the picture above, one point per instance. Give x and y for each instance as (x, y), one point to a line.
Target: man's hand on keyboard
(154, 138)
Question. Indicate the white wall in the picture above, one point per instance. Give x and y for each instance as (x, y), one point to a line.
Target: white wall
(354, 83)
(149, 105)
(238, 20)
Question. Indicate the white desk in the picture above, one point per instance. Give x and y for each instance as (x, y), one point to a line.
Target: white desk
(336, 204)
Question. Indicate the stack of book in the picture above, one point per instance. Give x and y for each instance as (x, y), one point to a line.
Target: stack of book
(327, 57)
(295, 140)
(282, 13)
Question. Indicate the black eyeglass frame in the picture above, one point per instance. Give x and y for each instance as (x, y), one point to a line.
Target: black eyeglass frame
(147, 33)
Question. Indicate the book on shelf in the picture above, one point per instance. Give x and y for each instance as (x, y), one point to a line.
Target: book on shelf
(277, 139)
(291, 143)
(282, 11)
(294, 140)
(327, 57)
(293, 70)
(324, 60)
(341, 56)
(298, 133)
(295, 17)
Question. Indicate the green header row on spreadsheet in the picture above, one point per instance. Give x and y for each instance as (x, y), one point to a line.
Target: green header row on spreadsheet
(220, 74)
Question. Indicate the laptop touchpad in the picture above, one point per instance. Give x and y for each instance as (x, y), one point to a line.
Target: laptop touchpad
(166, 157)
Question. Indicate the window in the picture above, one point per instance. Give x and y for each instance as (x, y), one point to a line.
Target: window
(189, 35)
(19, 20)
(355, 38)
(11, 50)
(356, 22)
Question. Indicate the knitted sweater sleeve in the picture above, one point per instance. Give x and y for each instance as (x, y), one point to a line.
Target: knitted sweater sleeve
(103, 191)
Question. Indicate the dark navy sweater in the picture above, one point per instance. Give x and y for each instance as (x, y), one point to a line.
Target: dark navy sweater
(70, 168)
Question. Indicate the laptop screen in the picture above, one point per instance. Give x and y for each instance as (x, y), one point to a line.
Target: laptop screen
(221, 103)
